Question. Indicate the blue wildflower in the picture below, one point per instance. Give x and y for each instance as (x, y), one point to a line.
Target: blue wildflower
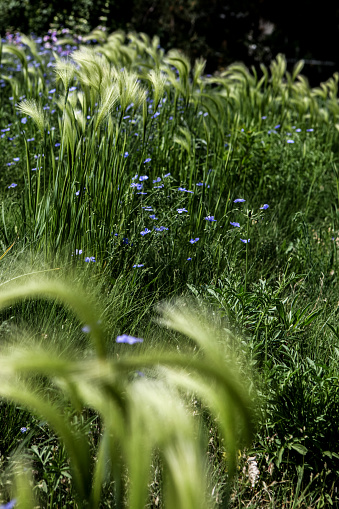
(158, 179)
(12, 185)
(148, 160)
(138, 186)
(138, 265)
(129, 340)
(152, 216)
(89, 259)
(126, 154)
(161, 229)
(290, 141)
(180, 211)
(237, 225)
(168, 174)
(144, 232)
(264, 207)
(23, 429)
(245, 241)
(143, 177)
(239, 200)
(189, 259)
(210, 218)
(9, 505)
(193, 241)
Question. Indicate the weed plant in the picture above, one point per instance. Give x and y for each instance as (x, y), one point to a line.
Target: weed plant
(145, 179)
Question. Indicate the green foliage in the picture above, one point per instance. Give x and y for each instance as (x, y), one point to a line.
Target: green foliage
(36, 16)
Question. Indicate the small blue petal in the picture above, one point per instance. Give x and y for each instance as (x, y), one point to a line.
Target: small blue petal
(129, 340)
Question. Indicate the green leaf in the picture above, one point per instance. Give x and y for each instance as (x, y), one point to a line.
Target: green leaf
(301, 449)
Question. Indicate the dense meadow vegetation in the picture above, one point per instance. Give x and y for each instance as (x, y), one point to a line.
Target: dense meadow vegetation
(169, 279)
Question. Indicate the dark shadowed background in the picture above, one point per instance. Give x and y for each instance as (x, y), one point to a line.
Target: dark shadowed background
(221, 31)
